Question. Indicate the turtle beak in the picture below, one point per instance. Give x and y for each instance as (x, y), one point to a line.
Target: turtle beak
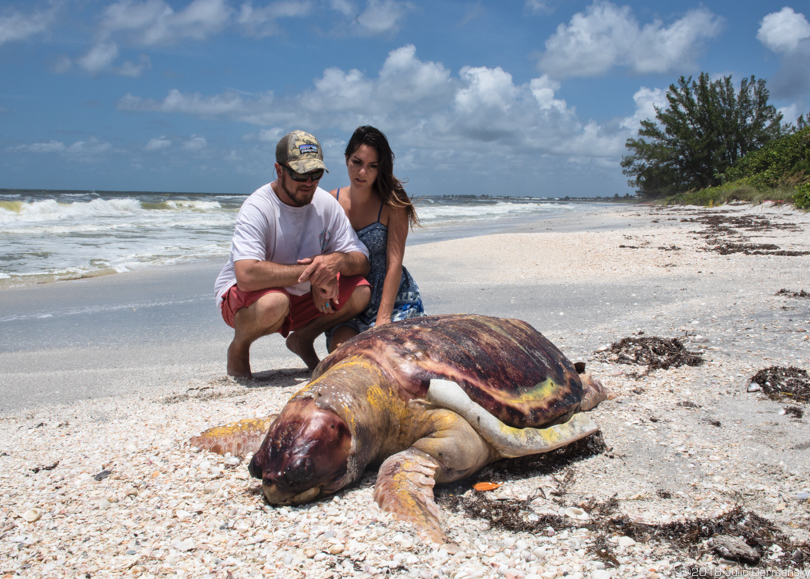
(306, 451)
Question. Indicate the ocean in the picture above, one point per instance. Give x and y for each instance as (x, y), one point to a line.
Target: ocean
(55, 235)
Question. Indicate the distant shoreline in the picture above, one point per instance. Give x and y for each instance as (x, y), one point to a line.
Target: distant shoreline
(611, 199)
(55, 236)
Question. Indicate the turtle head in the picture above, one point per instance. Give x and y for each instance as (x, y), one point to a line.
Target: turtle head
(304, 455)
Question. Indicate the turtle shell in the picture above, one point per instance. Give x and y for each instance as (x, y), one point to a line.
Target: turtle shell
(504, 365)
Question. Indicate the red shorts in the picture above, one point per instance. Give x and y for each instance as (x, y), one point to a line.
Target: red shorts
(302, 308)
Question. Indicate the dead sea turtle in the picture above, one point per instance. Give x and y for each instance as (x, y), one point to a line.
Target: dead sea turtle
(434, 399)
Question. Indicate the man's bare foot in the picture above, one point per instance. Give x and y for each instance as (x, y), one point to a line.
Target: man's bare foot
(239, 362)
(304, 349)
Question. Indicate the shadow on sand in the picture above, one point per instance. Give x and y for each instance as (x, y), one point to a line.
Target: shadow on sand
(279, 378)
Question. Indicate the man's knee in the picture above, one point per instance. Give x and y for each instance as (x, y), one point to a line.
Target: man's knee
(267, 313)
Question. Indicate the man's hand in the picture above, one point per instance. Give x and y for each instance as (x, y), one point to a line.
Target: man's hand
(320, 269)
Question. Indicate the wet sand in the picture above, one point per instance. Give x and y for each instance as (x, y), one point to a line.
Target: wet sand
(104, 380)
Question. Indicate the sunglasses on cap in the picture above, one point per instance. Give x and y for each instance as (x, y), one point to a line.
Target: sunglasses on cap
(301, 177)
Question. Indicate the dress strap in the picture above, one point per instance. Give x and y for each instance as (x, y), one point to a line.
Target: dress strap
(380, 213)
(338, 194)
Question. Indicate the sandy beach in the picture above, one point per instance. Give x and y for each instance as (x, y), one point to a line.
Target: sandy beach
(105, 380)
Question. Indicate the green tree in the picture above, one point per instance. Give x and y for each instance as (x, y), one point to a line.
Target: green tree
(706, 127)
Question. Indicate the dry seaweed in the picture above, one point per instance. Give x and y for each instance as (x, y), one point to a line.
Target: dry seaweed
(724, 221)
(792, 294)
(651, 351)
(780, 383)
(722, 226)
(37, 469)
(690, 535)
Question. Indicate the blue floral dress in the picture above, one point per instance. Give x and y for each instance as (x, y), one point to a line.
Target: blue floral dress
(408, 303)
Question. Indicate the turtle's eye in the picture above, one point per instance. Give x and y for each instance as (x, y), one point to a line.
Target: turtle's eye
(299, 471)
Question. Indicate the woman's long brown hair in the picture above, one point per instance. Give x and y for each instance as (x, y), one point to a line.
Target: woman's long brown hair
(388, 188)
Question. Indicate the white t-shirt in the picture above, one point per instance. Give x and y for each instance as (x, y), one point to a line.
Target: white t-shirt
(269, 230)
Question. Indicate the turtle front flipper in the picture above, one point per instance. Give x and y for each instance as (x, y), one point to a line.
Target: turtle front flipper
(238, 438)
(405, 489)
(450, 450)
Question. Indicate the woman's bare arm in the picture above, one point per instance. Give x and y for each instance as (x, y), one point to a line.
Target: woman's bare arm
(395, 253)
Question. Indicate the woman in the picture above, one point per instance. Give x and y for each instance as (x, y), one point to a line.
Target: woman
(381, 213)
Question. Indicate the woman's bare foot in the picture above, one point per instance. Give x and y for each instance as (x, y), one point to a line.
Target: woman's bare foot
(304, 349)
(239, 361)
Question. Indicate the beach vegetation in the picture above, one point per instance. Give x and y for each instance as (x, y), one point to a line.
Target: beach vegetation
(707, 127)
(801, 198)
(779, 171)
(782, 162)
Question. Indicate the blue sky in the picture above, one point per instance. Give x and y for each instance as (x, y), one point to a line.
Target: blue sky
(516, 97)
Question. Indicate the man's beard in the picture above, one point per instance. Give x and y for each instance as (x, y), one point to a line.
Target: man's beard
(300, 199)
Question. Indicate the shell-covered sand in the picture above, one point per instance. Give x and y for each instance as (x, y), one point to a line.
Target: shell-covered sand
(110, 487)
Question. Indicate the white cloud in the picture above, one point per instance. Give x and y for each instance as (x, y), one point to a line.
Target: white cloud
(788, 33)
(782, 31)
(646, 100)
(473, 12)
(49, 147)
(440, 116)
(89, 151)
(790, 113)
(343, 6)
(381, 16)
(154, 22)
(133, 69)
(100, 57)
(261, 22)
(271, 135)
(405, 78)
(343, 91)
(404, 81)
(195, 143)
(543, 89)
(487, 89)
(539, 6)
(606, 36)
(158, 144)
(16, 26)
(61, 64)
(228, 104)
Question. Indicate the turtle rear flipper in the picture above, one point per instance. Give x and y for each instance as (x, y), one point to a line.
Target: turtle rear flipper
(510, 442)
(593, 392)
(238, 438)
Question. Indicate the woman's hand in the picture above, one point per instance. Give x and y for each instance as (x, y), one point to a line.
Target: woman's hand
(324, 295)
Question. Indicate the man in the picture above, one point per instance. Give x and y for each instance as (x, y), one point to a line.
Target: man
(291, 241)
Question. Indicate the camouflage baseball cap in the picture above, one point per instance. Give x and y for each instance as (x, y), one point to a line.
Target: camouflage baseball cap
(300, 151)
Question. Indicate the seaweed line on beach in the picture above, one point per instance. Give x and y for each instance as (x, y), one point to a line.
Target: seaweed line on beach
(721, 228)
(758, 536)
